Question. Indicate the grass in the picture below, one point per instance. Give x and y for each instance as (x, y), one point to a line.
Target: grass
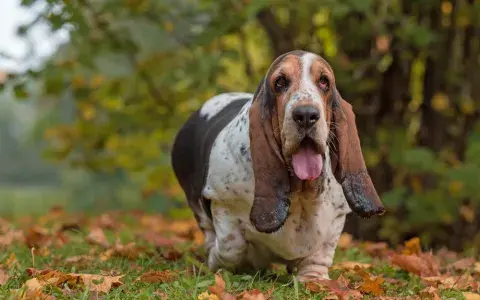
(193, 278)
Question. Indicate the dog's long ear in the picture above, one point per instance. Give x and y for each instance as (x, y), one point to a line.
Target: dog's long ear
(349, 166)
(272, 184)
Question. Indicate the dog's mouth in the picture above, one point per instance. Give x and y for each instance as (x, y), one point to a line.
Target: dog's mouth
(307, 161)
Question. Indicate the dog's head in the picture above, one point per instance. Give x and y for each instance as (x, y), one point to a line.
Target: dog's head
(296, 115)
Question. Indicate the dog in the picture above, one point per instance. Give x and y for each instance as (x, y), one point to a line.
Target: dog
(271, 176)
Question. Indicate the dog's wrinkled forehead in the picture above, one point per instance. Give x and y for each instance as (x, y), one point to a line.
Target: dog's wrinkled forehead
(299, 66)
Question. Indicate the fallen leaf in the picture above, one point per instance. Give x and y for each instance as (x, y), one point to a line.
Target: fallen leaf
(412, 246)
(130, 251)
(157, 276)
(98, 283)
(207, 296)
(471, 296)
(337, 287)
(463, 264)
(350, 265)
(253, 295)
(97, 237)
(219, 289)
(375, 249)
(80, 260)
(11, 261)
(95, 283)
(11, 236)
(450, 282)
(430, 293)
(371, 284)
(3, 276)
(423, 265)
(476, 267)
(106, 221)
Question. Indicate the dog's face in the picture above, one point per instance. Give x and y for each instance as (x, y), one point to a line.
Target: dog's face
(296, 111)
(302, 85)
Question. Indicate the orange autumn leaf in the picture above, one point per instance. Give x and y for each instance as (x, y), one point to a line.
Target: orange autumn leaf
(423, 265)
(371, 284)
(157, 276)
(254, 294)
(219, 289)
(412, 246)
(337, 288)
(350, 265)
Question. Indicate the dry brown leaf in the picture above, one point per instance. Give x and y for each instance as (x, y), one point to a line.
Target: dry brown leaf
(157, 276)
(97, 237)
(99, 283)
(430, 293)
(106, 221)
(11, 236)
(253, 295)
(423, 265)
(471, 296)
(450, 282)
(219, 289)
(350, 265)
(375, 249)
(80, 260)
(3, 276)
(463, 264)
(337, 288)
(130, 251)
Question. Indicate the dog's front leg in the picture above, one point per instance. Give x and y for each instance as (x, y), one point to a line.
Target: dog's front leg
(229, 248)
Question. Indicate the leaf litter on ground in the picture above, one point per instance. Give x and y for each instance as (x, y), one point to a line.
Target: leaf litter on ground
(174, 256)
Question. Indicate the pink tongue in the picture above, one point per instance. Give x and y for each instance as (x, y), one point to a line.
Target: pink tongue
(307, 164)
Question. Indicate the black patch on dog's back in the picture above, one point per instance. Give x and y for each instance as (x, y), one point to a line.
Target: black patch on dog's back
(191, 152)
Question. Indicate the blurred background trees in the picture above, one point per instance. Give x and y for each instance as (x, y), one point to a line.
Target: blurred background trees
(113, 97)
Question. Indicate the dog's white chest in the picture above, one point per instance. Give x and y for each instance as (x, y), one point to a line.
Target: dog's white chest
(311, 225)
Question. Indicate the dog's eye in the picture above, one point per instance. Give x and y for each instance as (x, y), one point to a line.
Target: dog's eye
(281, 84)
(323, 83)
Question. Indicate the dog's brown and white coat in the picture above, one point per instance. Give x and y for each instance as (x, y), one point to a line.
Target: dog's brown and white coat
(271, 176)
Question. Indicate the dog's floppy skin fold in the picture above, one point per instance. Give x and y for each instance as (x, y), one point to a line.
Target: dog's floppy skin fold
(233, 160)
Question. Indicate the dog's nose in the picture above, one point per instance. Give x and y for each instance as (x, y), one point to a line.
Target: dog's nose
(305, 116)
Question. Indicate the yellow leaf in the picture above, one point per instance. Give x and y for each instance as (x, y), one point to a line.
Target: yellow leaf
(440, 102)
(412, 246)
(446, 7)
(88, 112)
(455, 187)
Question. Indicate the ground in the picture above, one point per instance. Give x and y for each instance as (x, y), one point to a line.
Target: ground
(135, 255)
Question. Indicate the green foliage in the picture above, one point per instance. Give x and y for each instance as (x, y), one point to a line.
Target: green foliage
(133, 71)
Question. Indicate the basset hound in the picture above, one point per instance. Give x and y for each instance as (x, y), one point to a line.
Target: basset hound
(271, 176)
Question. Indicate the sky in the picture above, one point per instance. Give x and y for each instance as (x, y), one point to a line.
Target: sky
(11, 16)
